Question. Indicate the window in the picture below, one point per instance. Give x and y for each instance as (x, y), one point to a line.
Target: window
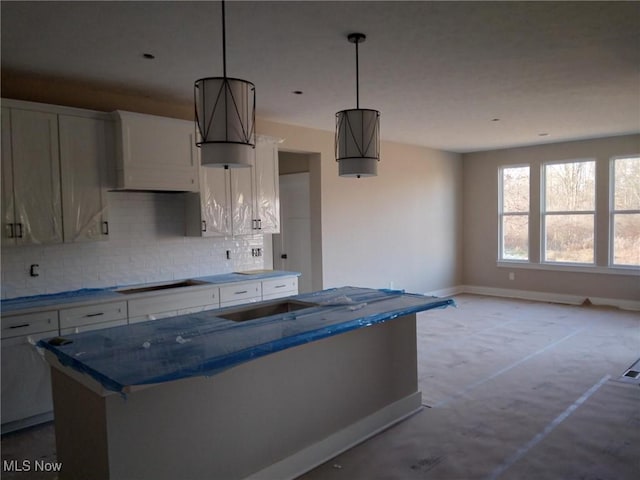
(568, 212)
(514, 213)
(625, 211)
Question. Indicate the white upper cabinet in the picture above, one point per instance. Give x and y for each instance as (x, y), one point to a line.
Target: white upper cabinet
(55, 163)
(86, 152)
(224, 206)
(8, 212)
(237, 201)
(155, 153)
(32, 210)
(208, 213)
(266, 181)
(242, 201)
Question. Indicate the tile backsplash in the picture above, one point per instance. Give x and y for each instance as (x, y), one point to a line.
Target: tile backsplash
(146, 244)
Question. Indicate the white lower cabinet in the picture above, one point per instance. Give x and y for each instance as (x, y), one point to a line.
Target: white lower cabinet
(169, 304)
(26, 380)
(279, 287)
(239, 293)
(92, 317)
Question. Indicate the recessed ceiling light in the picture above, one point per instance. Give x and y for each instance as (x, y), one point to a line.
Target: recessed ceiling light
(149, 56)
(297, 92)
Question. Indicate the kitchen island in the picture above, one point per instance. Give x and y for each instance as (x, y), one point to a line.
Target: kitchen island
(265, 391)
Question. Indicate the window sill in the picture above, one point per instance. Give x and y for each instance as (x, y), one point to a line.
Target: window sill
(568, 267)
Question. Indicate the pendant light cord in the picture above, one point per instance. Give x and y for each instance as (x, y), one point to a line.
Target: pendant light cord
(224, 45)
(357, 79)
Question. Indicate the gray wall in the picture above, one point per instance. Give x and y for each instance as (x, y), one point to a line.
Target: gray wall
(481, 221)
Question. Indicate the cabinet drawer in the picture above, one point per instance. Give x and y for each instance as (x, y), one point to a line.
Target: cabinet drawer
(93, 326)
(90, 314)
(240, 292)
(280, 286)
(27, 324)
(173, 302)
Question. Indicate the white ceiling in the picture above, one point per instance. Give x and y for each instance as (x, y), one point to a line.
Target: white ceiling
(439, 72)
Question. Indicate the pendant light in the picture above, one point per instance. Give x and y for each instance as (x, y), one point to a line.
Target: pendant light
(225, 117)
(357, 133)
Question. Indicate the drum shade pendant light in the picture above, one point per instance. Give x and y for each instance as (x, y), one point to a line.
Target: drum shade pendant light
(225, 117)
(358, 133)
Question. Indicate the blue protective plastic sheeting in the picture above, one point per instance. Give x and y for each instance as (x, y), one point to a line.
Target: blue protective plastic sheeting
(56, 300)
(205, 344)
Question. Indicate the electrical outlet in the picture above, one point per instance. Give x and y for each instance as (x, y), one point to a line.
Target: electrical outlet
(512, 276)
(34, 270)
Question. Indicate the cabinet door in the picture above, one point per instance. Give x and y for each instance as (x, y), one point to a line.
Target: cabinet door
(26, 381)
(84, 149)
(242, 216)
(215, 201)
(36, 177)
(267, 187)
(8, 218)
(156, 153)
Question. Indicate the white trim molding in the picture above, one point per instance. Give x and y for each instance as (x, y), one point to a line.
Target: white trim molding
(446, 292)
(569, 267)
(538, 296)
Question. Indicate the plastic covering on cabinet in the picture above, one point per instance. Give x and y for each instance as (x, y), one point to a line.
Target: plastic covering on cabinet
(206, 344)
(36, 177)
(215, 201)
(242, 201)
(83, 146)
(267, 185)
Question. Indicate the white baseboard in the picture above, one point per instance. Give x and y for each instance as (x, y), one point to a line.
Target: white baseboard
(446, 292)
(544, 296)
(616, 302)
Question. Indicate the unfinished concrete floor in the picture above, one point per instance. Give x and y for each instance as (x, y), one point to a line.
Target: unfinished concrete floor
(512, 390)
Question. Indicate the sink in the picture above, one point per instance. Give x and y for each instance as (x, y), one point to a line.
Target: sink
(162, 286)
(242, 314)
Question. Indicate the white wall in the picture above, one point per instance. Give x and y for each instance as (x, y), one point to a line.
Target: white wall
(402, 228)
(146, 244)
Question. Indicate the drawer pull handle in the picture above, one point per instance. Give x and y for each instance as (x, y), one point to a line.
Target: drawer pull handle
(24, 325)
(241, 292)
(279, 286)
(94, 314)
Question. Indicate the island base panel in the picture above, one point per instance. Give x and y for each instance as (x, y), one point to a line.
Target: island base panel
(283, 413)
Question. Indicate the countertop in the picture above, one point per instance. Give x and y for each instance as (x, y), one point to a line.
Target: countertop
(91, 295)
(205, 343)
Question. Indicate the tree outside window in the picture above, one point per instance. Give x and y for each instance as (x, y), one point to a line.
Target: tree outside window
(568, 216)
(625, 211)
(514, 213)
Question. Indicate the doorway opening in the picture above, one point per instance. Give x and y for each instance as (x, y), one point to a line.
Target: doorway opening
(297, 247)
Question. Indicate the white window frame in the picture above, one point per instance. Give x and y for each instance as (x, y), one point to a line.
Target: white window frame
(613, 212)
(544, 213)
(502, 214)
